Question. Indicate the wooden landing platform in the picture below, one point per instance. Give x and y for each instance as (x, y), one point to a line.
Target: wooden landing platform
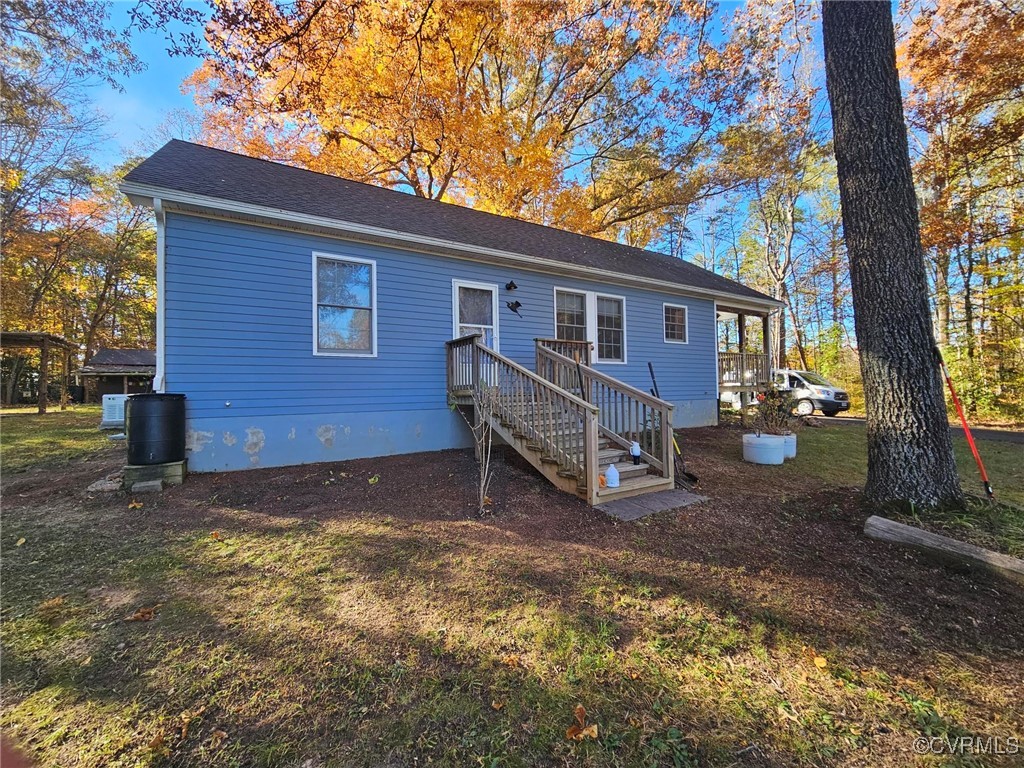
(640, 506)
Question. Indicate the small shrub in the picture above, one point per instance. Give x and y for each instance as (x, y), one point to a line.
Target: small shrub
(774, 412)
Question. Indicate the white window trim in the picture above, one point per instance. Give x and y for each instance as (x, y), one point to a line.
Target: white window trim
(591, 319)
(373, 305)
(493, 288)
(686, 322)
(586, 311)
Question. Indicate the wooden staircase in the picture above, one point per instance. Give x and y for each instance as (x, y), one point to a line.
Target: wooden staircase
(567, 419)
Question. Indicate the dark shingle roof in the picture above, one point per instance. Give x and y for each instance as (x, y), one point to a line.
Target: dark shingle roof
(124, 357)
(123, 361)
(199, 170)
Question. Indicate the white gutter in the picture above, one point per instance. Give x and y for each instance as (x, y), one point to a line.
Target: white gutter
(141, 194)
(159, 385)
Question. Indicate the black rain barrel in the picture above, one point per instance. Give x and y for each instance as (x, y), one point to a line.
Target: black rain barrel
(155, 423)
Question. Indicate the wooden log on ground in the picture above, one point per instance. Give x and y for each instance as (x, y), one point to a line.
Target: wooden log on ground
(945, 548)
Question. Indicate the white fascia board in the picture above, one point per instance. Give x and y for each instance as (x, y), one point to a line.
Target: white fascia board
(143, 194)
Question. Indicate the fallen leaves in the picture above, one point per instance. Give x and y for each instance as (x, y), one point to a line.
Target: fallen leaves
(135, 504)
(218, 738)
(785, 713)
(20, 542)
(215, 535)
(581, 730)
(814, 657)
(374, 480)
(579, 734)
(159, 746)
(497, 706)
(186, 720)
(143, 614)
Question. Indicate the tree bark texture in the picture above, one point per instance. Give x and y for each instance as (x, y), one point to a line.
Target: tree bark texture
(910, 452)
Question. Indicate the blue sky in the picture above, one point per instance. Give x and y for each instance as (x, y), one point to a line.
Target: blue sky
(148, 96)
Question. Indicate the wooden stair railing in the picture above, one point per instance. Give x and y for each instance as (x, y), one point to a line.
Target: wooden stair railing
(626, 414)
(571, 349)
(537, 415)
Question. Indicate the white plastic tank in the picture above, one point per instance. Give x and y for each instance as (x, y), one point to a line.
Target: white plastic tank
(790, 445)
(764, 449)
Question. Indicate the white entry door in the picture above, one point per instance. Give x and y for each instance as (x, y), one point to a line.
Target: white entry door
(475, 310)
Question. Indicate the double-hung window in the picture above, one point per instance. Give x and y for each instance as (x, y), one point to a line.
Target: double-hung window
(345, 292)
(570, 316)
(675, 324)
(611, 337)
(594, 317)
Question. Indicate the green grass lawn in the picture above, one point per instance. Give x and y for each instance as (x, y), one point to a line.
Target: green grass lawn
(53, 438)
(837, 455)
(309, 617)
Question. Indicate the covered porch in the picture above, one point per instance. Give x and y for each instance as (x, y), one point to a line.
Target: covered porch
(744, 349)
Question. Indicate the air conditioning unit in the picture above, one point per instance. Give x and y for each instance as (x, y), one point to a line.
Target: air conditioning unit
(113, 412)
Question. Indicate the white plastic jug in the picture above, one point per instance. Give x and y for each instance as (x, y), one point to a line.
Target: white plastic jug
(612, 476)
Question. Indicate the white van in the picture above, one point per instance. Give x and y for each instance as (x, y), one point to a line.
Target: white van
(811, 392)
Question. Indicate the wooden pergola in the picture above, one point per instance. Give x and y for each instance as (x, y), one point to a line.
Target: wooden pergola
(45, 343)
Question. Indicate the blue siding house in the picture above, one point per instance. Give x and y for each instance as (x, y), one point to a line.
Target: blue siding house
(309, 318)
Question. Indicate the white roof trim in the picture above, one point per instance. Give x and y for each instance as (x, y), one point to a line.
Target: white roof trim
(143, 194)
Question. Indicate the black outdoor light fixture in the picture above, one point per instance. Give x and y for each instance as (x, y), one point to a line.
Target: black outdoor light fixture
(511, 285)
(514, 306)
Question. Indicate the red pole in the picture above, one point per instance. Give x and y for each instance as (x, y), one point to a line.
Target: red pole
(967, 429)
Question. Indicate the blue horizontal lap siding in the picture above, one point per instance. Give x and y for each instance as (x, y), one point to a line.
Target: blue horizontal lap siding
(239, 330)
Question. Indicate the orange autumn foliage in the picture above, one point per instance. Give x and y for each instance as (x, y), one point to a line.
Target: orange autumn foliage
(596, 117)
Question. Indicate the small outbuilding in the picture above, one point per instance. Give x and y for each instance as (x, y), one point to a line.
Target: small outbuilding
(118, 372)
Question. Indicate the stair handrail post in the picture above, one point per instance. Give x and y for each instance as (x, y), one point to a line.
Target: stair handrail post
(475, 364)
(590, 458)
(667, 441)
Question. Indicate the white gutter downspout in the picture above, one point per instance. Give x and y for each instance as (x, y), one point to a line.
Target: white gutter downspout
(159, 382)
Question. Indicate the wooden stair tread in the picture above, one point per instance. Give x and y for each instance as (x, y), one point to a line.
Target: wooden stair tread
(633, 484)
(628, 468)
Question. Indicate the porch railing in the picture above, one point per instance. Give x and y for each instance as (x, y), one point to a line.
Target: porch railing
(570, 349)
(748, 369)
(562, 424)
(625, 413)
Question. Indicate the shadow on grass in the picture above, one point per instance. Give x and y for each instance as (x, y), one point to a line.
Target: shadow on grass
(329, 624)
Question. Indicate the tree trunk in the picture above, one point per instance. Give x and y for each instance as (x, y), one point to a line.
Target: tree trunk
(942, 302)
(910, 452)
(781, 293)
